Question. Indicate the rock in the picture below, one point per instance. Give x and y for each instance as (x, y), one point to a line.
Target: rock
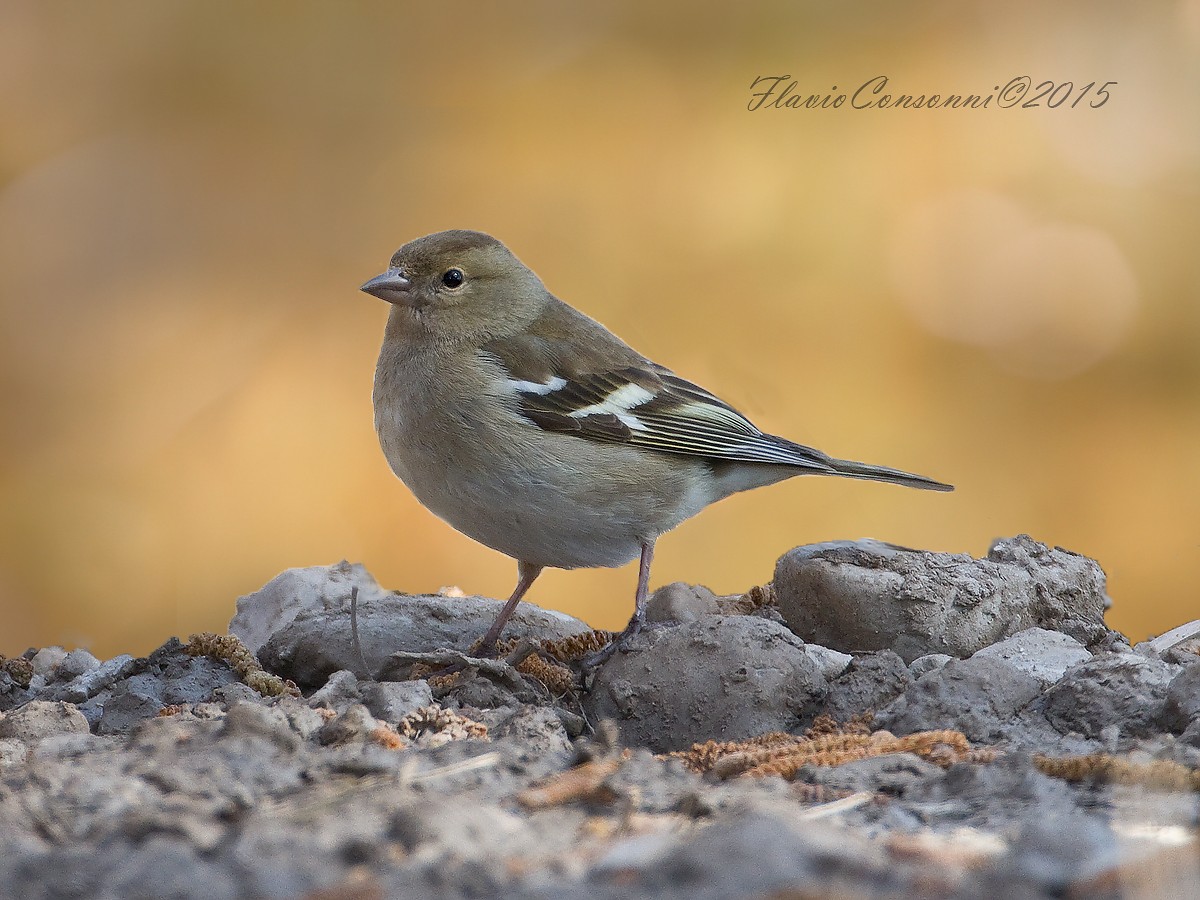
(46, 660)
(124, 691)
(979, 697)
(1054, 851)
(930, 662)
(1125, 690)
(1010, 788)
(295, 592)
(68, 746)
(894, 774)
(168, 867)
(92, 680)
(871, 682)
(1185, 653)
(867, 595)
(313, 639)
(832, 663)
(1046, 655)
(232, 693)
(339, 693)
(126, 707)
(257, 721)
(356, 723)
(1182, 704)
(681, 602)
(720, 678)
(76, 663)
(41, 719)
(537, 732)
(1168, 640)
(391, 701)
(13, 752)
(758, 854)
(302, 718)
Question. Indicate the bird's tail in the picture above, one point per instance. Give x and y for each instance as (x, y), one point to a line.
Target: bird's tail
(851, 469)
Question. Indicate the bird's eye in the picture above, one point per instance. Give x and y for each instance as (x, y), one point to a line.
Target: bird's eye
(452, 278)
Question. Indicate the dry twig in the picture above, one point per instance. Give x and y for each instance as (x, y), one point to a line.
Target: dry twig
(583, 782)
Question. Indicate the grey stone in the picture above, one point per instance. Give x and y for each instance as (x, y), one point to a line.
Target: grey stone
(126, 708)
(258, 721)
(681, 602)
(76, 663)
(339, 693)
(92, 681)
(1182, 705)
(1168, 640)
(235, 691)
(391, 701)
(1055, 850)
(867, 595)
(832, 663)
(303, 719)
(894, 774)
(719, 678)
(305, 591)
(1046, 655)
(125, 691)
(41, 719)
(13, 752)
(930, 662)
(69, 745)
(537, 733)
(165, 866)
(355, 723)
(1185, 653)
(46, 660)
(1124, 689)
(314, 639)
(979, 697)
(871, 682)
(758, 854)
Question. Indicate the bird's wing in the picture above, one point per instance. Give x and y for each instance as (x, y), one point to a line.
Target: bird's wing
(569, 374)
(651, 407)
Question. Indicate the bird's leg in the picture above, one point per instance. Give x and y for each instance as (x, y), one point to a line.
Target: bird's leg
(636, 621)
(527, 573)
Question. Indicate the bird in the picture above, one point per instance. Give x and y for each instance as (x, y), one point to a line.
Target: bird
(531, 428)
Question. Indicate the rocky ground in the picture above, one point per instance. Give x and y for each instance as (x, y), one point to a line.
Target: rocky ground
(876, 721)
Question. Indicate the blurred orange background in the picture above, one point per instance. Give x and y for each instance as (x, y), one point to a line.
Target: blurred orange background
(191, 193)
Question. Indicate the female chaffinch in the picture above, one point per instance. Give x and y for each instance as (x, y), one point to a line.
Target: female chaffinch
(533, 429)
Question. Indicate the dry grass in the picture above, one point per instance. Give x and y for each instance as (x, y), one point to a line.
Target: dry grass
(1159, 774)
(825, 744)
(436, 720)
(19, 669)
(577, 646)
(230, 649)
(750, 602)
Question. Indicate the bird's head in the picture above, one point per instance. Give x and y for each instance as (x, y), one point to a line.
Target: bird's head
(457, 286)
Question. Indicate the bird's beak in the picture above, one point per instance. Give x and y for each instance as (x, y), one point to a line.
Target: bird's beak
(390, 286)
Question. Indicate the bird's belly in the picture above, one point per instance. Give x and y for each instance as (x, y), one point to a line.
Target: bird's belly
(534, 525)
(548, 499)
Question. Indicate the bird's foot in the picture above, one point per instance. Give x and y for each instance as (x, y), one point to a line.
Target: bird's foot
(593, 661)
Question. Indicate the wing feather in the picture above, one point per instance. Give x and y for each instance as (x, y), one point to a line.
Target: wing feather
(655, 409)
